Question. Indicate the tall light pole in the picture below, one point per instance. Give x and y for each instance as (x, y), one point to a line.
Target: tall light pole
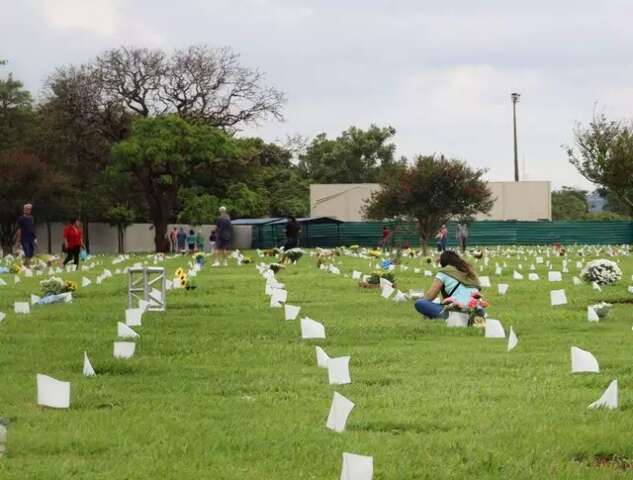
(515, 98)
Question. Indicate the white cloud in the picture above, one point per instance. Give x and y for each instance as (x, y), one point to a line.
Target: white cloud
(101, 17)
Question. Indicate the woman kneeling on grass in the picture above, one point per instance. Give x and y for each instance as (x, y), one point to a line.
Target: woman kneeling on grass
(456, 280)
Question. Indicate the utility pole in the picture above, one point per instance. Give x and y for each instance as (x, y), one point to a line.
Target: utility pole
(515, 98)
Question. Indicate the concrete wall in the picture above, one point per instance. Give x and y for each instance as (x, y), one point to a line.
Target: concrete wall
(520, 201)
(514, 200)
(138, 237)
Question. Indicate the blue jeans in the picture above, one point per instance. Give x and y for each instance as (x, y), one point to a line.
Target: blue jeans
(429, 309)
(29, 248)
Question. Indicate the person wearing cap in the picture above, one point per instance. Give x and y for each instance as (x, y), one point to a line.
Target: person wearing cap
(224, 235)
(25, 236)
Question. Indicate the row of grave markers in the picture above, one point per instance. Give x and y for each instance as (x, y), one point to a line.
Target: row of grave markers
(354, 466)
(582, 361)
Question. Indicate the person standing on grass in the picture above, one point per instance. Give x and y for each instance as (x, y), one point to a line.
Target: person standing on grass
(191, 241)
(73, 242)
(386, 238)
(25, 236)
(212, 238)
(224, 236)
(442, 238)
(462, 236)
(456, 279)
(199, 241)
(181, 239)
(293, 229)
(173, 240)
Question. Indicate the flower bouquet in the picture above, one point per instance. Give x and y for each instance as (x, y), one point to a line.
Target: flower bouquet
(602, 272)
(199, 258)
(602, 309)
(324, 255)
(55, 286)
(374, 279)
(292, 255)
(180, 278)
(15, 267)
(475, 308)
(276, 267)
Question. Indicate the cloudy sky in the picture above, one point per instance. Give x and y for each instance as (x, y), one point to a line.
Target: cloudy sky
(441, 73)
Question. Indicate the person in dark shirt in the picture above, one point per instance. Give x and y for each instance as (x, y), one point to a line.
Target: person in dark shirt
(293, 229)
(224, 236)
(181, 238)
(26, 234)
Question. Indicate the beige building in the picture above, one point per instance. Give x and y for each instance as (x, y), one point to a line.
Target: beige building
(513, 200)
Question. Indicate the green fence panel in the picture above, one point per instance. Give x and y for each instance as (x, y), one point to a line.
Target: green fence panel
(369, 234)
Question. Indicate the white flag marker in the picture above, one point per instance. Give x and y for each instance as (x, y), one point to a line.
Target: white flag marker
(338, 371)
(513, 340)
(291, 311)
(609, 398)
(357, 467)
(494, 329)
(88, 370)
(311, 329)
(123, 331)
(52, 393)
(22, 307)
(583, 361)
(322, 357)
(124, 349)
(339, 411)
(133, 317)
(558, 297)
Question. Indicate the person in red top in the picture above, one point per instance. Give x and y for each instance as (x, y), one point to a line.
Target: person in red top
(73, 241)
(386, 238)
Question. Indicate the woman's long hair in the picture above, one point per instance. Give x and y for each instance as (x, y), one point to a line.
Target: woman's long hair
(448, 257)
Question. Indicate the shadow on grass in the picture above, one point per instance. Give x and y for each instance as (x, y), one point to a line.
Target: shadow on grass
(398, 428)
(116, 369)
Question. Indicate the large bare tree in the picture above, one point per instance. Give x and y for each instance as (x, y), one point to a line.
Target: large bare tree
(198, 83)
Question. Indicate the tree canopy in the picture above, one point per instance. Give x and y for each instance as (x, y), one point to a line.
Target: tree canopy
(431, 192)
(603, 154)
(356, 156)
(569, 204)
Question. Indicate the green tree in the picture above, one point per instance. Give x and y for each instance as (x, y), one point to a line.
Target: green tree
(614, 204)
(604, 155)
(17, 120)
(27, 179)
(569, 204)
(77, 128)
(277, 178)
(165, 154)
(120, 216)
(356, 156)
(197, 206)
(431, 192)
(242, 202)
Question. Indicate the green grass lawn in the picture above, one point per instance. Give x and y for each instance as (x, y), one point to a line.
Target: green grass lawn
(221, 387)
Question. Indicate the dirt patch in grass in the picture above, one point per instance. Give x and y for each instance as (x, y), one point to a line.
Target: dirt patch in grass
(607, 460)
(621, 301)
